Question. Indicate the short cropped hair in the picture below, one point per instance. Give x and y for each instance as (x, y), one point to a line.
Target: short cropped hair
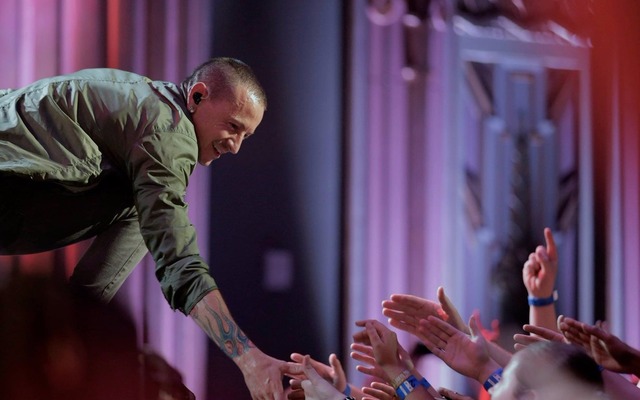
(221, 74)
(543, 360)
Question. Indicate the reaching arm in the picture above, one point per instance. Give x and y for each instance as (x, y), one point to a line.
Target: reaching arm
(389, 361)
(333, 373)
(405, 311)
(607, 349)
(536, 334)
(466, 355)
(498, 354)
(379, 391)
(316, 387)
(618, 387)
(262, 374)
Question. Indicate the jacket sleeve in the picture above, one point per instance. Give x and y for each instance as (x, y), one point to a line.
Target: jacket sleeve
(160, 165)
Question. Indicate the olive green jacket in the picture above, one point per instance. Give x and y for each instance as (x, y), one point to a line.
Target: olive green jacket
(71, 129)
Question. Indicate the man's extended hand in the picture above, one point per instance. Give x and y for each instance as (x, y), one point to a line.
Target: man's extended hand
(262, 374)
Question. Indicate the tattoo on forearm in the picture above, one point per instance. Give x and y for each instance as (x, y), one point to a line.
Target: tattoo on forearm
(229, 338)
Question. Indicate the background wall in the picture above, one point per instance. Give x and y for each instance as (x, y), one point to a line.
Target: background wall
(280, 195)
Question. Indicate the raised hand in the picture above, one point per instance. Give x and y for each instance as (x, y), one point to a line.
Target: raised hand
(451, 313)
(379, 391)
(333, 372)
(540, 270)
(364, 354)
(386, 351)
(466, 355)
(316, 387)
(605, 348)
(405, 311)
(536, 334)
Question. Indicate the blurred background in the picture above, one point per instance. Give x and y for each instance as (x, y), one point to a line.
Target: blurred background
(408, 144)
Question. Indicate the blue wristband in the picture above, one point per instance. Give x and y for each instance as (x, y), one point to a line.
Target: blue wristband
(493, 379)
(406, 387)
(425, 383)
(347, 390)
(543, 301)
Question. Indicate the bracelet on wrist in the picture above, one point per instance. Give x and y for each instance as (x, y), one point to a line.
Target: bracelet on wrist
(397, 381)
(543, 301)
(493, 379)
(424, 383)
(347, 391)
(406, 387)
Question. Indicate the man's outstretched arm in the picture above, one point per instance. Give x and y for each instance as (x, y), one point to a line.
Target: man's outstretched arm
(262, 373)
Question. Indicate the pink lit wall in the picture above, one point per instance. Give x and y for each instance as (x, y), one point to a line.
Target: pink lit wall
(162, 39)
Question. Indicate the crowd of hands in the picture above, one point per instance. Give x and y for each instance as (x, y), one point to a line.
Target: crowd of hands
(467, 348)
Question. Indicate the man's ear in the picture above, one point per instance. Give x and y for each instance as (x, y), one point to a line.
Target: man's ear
(198, 92)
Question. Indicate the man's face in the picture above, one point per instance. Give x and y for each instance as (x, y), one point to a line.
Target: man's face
(222, 124)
